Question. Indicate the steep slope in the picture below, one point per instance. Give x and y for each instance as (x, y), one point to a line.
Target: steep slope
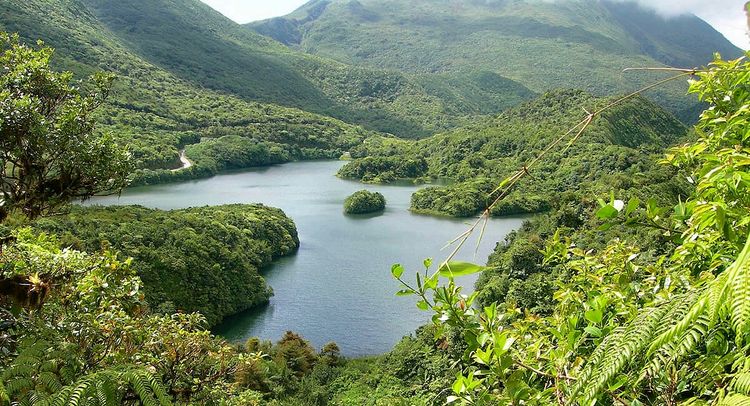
(199, 45)
(616, 152)
(157, 113)
(543, 45)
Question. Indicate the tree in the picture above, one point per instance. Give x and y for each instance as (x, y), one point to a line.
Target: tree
(626, 328)
(49, 148)
(363, 202)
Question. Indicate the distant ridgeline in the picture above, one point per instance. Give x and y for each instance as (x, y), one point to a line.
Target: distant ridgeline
(203, 260)
(617, 152)
(542, 45)
(186, 73)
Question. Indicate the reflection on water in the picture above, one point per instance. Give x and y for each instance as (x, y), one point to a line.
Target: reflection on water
(338, 286)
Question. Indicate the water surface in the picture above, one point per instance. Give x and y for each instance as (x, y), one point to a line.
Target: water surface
(338, 286)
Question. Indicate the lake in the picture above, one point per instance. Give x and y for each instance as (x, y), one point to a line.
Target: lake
(338, 286)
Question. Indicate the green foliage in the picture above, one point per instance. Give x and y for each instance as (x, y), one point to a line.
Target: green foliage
(195, 260)
(94, 342)
(364, 201)
(205, 50)
(50, 152)
(155, 113)
(618, 151)
(581, 44)
(625, 325)
(388, 169)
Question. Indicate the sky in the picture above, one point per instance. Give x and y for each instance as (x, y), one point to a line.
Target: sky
(724, 15)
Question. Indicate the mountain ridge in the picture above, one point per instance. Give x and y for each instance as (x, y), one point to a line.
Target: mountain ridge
(542, 45)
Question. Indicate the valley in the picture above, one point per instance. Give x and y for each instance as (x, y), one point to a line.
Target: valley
(342, 264)
(180, 195)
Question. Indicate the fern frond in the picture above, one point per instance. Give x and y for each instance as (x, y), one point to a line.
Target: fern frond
(4, 396)
(106, 393)
(157, 387)
(735, 399)
(80, 390)
(675, 350)
(741, 383)
(50, 381)
(107, 388)
(593, 361)
(140, 385)
(19, 386)
(738, 281)
(695, 305)
(621, 350)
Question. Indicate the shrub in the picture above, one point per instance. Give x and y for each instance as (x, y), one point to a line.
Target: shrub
(363, 201)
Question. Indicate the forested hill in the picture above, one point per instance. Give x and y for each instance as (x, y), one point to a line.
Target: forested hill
(205, 260)
(193, 42)
(617, 152)
(155, 112)
(541, 44)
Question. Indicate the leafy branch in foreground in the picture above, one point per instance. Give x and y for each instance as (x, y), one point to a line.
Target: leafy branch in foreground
(50, 152)
(624, 329)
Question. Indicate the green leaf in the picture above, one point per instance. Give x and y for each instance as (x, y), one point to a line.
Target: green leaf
(593, 331)
(457, 268)
(632, 205)
(422, 305)
(721, 218)
(427, 263)
(594, 316)
(405, 292)
(607, 212)
(397, 270)
(458, 385)
(432, 282)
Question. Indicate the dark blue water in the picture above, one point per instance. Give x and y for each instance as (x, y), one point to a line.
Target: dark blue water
(338, 287)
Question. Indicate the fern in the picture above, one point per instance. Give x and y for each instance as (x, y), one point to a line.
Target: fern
(4, 396)
(36, 378)
(735, 399)
(672, 331)
(108, 388)
(739, 292)
(620, 348)
(741, 383)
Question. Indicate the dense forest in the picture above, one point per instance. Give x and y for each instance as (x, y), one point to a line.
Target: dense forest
(203, 260)
(167, 96)
(363, 202)
(629, 283)
(540, 45)
(619, 152)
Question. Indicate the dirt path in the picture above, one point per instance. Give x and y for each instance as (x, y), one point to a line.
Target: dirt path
(185, 162)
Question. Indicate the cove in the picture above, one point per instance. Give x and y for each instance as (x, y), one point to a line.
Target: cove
(338, 286)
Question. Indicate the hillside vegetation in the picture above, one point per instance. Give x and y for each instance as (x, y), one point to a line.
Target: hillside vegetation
(155, 112)
(226, 59)
(363, 202)
(629, 286)
(543, 45)
(205, 260)
(617, 152)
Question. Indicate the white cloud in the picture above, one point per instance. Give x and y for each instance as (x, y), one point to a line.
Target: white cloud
(243, 11)
(727, 16)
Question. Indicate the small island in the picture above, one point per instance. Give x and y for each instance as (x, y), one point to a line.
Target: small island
(363, 202)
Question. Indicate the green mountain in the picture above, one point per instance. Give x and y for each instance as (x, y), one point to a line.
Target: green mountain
(197, 44)
(544, 45)
(617, 152)
(156, 112)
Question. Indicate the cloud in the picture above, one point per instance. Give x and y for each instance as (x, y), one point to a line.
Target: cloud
(727, 16)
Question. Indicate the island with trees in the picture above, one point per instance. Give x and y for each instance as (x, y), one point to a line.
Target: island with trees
(364, 202)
